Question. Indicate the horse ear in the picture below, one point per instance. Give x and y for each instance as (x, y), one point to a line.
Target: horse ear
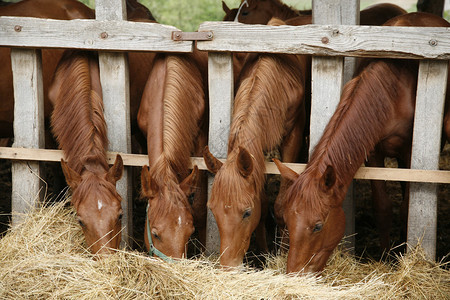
(73, 179)
(225, 7)
(188, 184)
(212, 163)
(244, 162)
(149, 185)
(328, 179)
(116, 171)
(286, 172)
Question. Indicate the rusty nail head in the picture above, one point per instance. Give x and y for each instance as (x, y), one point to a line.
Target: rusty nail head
(325, 40)
(104, 35)
(433, 43)
(18, 28)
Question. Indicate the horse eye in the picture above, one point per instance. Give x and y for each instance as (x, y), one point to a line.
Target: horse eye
(244, 13)
(80, 222)
(318, 227)
(247, 213)
(155, 235)
(120, 217)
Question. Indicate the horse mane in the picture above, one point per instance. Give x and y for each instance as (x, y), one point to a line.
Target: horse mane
(77, 120)
(285, 11)
(353, 130)
(136, 10)
(184, 105)
(260, 115)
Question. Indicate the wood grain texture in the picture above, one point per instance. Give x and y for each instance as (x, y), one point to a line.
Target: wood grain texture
(329, 40)
(87, 34)
(422, 214)
(221, 94)
(28, 129)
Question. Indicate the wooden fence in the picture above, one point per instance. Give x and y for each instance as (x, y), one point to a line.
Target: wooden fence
(112, 36)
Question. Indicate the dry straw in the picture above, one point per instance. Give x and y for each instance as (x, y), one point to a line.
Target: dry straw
(45, 258)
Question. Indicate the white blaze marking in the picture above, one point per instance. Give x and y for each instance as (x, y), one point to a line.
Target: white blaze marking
(179, 220)
(99, 204)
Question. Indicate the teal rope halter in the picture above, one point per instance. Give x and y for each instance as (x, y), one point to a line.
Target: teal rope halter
(152, 250)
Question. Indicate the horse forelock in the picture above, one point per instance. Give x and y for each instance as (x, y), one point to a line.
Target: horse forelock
(93, 184)
(305, 188)
(77, 120)
(170, 194)
(230, 189)
(367, 103)
(184, 105)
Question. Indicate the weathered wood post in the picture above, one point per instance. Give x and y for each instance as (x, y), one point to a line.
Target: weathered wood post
(28, 129)
(220, 83)
(116, 98)
(327, 81)
(422, 214)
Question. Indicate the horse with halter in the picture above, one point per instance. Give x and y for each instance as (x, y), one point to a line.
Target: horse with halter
(173, 118)
(268, 113)
(374, 118)
(79, 127)
(140, 64)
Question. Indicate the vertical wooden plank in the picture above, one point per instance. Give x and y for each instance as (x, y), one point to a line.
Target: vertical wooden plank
(116, 97)
(220, 84)
(422, 215)
(328, 77)
(28, 128)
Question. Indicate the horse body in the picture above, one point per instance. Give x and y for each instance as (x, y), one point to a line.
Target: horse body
(172, 117)
(268, 113)
(80, 130)
(63, 10)
(139, 62)
(374, 117)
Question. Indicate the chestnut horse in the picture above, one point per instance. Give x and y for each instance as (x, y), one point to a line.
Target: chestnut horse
(268, 113)
(79, 127)
(260, 12)
(375, 116)
(51, 9)
(173, 118)
(139, 62)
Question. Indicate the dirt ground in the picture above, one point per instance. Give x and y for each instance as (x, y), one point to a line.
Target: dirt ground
(366, 234)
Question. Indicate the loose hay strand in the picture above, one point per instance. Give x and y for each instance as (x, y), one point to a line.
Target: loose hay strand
(45, 258)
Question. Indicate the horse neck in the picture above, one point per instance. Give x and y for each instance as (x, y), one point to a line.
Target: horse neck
(283, 11)
(367, 103)
(261, 108)
(77, 120)
(183, 110)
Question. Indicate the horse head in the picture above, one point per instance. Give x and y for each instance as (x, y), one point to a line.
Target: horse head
(97, 203)
(314, 217)
(169, 223)
(235, 203)
(254, 12)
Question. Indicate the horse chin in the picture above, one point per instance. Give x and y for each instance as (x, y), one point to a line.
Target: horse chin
(229, 261)
(315, 264)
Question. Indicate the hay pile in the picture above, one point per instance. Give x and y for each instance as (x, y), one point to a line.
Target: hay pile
(44, 258)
